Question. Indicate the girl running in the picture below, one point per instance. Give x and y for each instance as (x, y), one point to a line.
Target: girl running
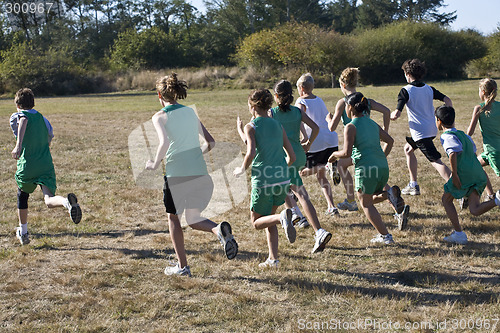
(362, 138)
(188, 186)
(488, 115)
(291, 118)
(265, 139)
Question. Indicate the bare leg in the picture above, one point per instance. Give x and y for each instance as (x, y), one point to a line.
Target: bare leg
(52, 200)
(307, 206)
(309, 171)
(377, 198)
(489, 188)
(269, 223)
(198, 222)
(272, 242)
(177, 237)
(371, 213)
(443, 170)
(478, 208)
(451, 211)
(23, 215)
(346, 176)
(411, 161)
(325, 187)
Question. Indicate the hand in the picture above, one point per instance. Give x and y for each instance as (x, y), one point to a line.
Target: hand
(150, 165)
(238, 171)
(395, 115)
(16, 153)
(332, 159)
(239, 123)
(456, 181)
(329, 117)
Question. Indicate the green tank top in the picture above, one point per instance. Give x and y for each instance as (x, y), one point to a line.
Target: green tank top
(469, 169)
(345, 118)
(290, 120)
(366, 151)
(35, 161)
(490, 129)
(184, 157)
(268, 166)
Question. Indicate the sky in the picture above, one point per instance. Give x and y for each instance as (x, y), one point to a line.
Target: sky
(481, 15)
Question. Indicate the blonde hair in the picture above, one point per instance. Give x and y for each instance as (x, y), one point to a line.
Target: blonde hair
(171, 88)
(349, 77)
(489, 88)
(306, 81)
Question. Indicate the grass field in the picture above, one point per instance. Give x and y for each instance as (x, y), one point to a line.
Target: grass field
(106, 274)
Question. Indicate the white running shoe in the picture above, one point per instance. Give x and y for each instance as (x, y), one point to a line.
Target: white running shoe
(286, 223)
(346, 205)
(411, 190)
(227, 240)
(333, 173)
(75, 212)
(302, 223)
(403, 218)
(456, 238)
(269, 263)
(177, 270)
(24, 239)
(332, 211)
(463, 203)
(295, 218)
(320, 240)
(382, 239)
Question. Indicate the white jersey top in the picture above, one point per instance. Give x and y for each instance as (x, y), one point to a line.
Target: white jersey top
(420, 110)
(317, 111)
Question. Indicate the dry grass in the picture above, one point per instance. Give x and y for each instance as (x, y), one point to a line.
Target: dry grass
(106, 274)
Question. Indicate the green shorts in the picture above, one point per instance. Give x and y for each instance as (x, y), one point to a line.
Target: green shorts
(30, 186)
(264, 198)
(493, 161)
(465, 191)
(370, 180)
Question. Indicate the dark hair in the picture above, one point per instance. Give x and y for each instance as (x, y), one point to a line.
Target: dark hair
(171, 88)
(261, 98)
(446, 114)
(284, 91)
(415, 68)
(25, 98)
(359, 102)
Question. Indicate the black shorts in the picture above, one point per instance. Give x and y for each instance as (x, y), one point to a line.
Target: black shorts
(426, 146)
(319, 157)
(192, 192)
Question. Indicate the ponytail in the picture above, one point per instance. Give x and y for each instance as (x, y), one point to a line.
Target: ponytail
(359, 102)
(489, 89)
(284, 91)
(171, 88)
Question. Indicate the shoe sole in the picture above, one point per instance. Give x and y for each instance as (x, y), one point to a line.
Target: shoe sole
(322, 246)
(336, 178)
(228, 243)
(76, 211)
(403, 223)
(396, 201)
(290, 231)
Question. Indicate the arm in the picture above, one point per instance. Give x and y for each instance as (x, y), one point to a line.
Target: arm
(454, 175)
(403, 98)
(303, 131)
(239, 126)
(288, 148)
(385, 137)
(249, 133)
(386, 113)
(447, 101)
(349, 136)
(473, 121)
(209, 139)
(159, 124)
(21, 130)
(315, 131)
(333, 121)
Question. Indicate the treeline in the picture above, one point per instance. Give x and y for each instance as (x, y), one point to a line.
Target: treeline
(82, 46)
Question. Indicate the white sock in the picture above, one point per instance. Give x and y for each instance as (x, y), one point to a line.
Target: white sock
(296, 211)
(497, 201)
(67, 204)
(319, 231)
(24, 228)
(413, 184)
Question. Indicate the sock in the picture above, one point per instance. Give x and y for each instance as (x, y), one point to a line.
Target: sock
(350, 201)
(497, 201)
(67, 204)
(319, 231)
(413, 184)
(296, 211)
(24, 228)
